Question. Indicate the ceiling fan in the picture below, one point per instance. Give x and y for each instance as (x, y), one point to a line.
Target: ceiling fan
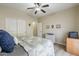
(38, 7)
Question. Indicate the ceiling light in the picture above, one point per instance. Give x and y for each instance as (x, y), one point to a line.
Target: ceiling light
(38, 9)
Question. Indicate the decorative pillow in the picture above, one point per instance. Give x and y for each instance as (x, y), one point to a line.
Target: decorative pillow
(6, 41)
(16, 40)
(0, 49)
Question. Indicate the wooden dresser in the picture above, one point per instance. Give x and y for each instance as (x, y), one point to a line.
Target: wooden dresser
(72, 46)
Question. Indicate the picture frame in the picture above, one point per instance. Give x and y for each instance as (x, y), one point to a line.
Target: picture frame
(52, 26)
(58, 26)
(47, 26)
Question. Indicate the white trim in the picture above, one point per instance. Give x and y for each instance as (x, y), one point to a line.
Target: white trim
(60, 43)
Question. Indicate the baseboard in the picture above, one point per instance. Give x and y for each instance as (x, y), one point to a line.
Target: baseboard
(60, 43)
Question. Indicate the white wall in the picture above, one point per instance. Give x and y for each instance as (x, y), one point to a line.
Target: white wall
(68, 20)
(8, 12)
(77, 20)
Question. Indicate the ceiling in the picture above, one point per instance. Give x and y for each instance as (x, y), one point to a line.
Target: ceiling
(53, 7)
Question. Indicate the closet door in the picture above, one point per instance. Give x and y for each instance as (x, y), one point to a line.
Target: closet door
(15, 27)
(39, 29)
(2, 24)
(21, 27)
(11, 26)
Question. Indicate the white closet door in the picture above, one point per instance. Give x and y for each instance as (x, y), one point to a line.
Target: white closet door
(11, 26)
(39, 29)
(21, 27)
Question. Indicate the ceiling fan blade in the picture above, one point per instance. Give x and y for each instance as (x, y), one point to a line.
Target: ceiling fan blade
(37, 4)
(45, 5)
(43, 11)
(31, 8)
(35, 11)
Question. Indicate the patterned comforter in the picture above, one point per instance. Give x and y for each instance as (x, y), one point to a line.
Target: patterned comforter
(36, 46)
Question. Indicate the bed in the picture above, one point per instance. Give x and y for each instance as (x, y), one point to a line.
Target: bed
(36, 46)
(32, 46)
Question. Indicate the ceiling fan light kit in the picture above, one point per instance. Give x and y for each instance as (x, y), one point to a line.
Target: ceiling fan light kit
(38, 7)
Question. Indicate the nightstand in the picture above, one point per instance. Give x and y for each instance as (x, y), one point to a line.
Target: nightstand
(72, 46)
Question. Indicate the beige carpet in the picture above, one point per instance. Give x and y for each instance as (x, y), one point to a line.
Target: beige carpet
(60, 50)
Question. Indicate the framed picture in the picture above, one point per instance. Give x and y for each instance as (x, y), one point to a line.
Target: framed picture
(52, 26)
(47, 26)
(58, 26)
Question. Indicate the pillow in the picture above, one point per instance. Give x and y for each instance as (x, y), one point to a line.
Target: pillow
(6, 41)
(16, 40)
(0, 49)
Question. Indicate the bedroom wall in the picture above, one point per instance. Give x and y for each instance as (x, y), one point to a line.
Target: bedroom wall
(12, 13)
(77, 20)
(66, 18)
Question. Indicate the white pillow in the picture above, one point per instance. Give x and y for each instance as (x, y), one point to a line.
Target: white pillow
(16, 40)
(0, 49)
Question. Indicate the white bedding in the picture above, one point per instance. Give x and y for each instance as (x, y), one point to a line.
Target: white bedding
(37, 46)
